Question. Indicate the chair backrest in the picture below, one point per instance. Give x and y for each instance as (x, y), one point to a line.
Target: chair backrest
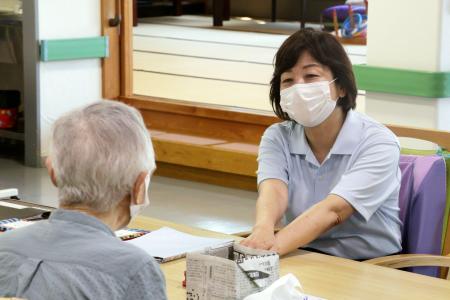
(439, 137)
(422, 202)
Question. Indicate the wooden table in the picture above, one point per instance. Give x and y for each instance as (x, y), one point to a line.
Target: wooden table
(321, 275)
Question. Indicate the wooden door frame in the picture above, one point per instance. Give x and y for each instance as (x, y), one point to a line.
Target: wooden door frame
(117, 68)
(126, 48)
(31, 84)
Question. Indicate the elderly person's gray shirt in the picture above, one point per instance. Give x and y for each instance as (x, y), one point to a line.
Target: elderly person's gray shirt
(75, 256)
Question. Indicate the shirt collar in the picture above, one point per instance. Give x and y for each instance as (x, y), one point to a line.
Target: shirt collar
(346, 141)
(79, 218)
(349, 136)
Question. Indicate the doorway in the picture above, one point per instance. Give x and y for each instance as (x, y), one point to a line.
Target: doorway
(19, 89)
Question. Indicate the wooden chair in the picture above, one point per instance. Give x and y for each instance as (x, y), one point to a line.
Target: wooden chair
(441, 138)
(413, 260)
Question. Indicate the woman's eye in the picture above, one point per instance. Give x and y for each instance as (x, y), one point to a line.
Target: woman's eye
(311, 75)
(286, 80)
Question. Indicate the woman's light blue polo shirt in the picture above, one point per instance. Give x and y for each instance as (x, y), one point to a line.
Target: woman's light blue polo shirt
(362, 167)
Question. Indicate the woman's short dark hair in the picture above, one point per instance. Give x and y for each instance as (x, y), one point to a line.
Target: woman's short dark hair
(324, 48)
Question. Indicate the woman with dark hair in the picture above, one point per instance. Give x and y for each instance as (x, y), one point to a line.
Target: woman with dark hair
(333, 173)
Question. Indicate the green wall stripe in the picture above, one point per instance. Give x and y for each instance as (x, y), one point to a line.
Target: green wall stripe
(403, 82)
(70, 49)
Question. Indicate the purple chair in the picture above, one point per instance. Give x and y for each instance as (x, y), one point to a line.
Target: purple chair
(342, 12)
(422, 202)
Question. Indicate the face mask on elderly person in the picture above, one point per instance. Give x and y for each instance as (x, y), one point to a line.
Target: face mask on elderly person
(309, 104)
(135, 209)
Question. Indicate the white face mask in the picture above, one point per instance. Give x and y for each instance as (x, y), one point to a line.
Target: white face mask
(135, 209)
(309, 104)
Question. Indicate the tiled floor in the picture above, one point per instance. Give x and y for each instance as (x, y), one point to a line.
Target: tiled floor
(194, 204)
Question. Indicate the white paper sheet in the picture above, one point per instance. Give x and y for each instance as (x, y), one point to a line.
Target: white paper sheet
(167, 243)
(7, 193)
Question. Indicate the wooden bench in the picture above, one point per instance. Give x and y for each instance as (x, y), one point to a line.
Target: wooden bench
(208, 160)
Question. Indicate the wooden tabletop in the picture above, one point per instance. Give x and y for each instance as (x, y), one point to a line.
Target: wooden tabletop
(321, 275)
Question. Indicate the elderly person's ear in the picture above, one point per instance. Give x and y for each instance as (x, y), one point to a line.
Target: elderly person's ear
(51, 171)
(138, 196)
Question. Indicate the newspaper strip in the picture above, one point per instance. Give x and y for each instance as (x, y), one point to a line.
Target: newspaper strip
(229, 272)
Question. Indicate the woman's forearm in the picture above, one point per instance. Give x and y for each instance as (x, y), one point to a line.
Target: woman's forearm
(312, 223)
(268, 213)
(271, 204)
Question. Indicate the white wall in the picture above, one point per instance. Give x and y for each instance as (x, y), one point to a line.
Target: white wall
(411, 35)
(395, 26)
(445, 37)
(65, 85)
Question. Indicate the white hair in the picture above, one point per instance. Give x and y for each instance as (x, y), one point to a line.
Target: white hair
(97, 153)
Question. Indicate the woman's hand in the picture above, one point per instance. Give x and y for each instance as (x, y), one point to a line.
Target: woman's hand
(262, 237)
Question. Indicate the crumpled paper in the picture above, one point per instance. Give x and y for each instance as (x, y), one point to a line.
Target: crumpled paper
(285, 288)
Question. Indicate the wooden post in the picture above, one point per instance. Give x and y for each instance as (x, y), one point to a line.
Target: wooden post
(335, 23)
(303, 15)
(178, 9)
(218, 6)
(352, 21)
(126, 49)
(274, 11)
(226, 10)
(135, 13)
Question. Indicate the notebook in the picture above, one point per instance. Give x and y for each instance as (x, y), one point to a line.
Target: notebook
(12, 210)
(167, 244)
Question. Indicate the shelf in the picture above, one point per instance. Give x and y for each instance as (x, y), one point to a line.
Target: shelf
(11, 134)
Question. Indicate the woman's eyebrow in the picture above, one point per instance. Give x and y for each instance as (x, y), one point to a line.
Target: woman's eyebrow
(311, 65)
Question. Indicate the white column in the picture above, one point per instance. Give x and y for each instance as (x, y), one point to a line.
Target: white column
(66, 85)
(409, 35)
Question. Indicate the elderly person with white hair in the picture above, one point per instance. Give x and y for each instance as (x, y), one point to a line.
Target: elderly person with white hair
(101, 161)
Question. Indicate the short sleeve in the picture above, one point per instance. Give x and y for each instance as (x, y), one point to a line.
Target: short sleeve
(272, 161)
(147, 283)
(372, 179)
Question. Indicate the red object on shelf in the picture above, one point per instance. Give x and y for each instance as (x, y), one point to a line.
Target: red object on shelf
(9, 106)
(8, 117)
